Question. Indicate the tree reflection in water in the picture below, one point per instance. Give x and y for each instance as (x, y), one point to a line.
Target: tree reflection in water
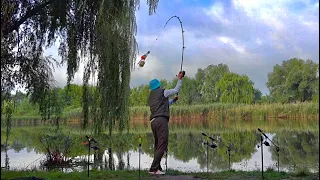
(298, 150)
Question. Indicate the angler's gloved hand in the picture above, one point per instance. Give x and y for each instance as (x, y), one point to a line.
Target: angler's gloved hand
(181, 74)
(175, 99)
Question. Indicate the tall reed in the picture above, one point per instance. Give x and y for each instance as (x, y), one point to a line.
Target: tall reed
(205, 114)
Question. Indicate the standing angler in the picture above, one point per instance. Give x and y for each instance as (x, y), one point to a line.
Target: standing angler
(159, 106)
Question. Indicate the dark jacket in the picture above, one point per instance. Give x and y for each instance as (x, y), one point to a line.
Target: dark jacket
(159, 104)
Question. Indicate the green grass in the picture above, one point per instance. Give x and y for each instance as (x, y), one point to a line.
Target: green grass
(134, 174)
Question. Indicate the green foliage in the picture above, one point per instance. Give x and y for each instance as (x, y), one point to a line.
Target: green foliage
(7, 109)
(303, 146)
(294, 80)
(235, 88)
(212, 75)
(101, 33)
(114, 46)
(208, 86)
(51, 105)
(73, 94)
(257, 95)
(189, 93)
(24, 107)
(139, 95)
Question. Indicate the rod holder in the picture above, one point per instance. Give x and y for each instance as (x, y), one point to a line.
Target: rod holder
(212, 145)
(90, 140)
(266, 143)
(140, 141)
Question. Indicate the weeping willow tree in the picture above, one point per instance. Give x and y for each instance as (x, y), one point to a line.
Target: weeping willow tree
(98, 33)
(235, 88)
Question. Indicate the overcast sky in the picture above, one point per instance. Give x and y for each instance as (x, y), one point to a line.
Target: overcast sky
(250, 36)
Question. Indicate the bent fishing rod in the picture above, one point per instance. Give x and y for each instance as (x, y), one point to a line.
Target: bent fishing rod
(142, 61)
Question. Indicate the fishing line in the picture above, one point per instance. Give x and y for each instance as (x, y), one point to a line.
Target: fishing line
(143, 57)
(157, 37)
(35, 160)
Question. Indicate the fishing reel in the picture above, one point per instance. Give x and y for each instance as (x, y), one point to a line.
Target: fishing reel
(213, 145)
(183, 73)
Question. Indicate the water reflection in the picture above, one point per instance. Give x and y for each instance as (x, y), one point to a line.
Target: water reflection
(6, 164)
(298, 150)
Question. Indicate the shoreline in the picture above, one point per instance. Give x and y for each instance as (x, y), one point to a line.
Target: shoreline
(170, 174)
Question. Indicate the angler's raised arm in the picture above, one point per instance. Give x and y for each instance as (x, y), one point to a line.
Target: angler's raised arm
(170, 92)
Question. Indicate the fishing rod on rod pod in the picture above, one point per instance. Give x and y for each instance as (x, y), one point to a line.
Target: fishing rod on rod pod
(94, 147)
(214, 145)
(266, 143)
(90, 139)
(207, 144)
(229, 147)
(140, 149)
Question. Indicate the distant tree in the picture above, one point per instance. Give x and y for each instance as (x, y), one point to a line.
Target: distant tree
(199, 77)
(144, 95)
(5, 95)
(294, 80)
(212, 75)
(134, 96)
(24, 107)
(235, 88)
(266, 99)
(257, 95)
(73, 93)
(189, 93)
(19, 96)
(139, 95)
(164, 82)
(315, 86)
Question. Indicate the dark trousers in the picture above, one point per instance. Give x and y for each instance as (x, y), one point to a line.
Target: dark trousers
(160, 132)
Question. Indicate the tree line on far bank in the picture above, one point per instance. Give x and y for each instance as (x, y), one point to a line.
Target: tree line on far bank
(294, 80)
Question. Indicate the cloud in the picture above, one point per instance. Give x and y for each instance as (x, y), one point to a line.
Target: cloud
(258, 41)
(250, 36)
(230, 41)
(217, 12)
(60, 72)
(152, 69)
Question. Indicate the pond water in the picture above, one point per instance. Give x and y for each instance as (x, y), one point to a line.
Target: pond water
(298, 150)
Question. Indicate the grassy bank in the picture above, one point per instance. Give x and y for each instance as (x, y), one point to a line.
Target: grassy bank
(134, 174)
